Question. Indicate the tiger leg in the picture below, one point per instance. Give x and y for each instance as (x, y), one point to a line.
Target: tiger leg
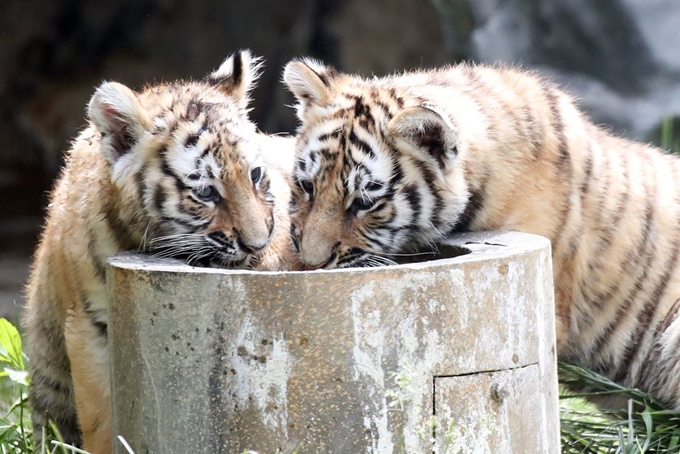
(279, 254)
(562, 314)
(86, 344)
(51, 392)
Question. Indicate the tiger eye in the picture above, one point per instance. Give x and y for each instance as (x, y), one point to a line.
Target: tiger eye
(307, 186)
(206, 193)
(256, 174)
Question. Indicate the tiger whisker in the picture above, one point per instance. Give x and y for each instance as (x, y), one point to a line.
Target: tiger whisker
(177, 236)
(199, 254)
(414, 254)
(176, 240)
(143, 242)
(376, 259)
(182, 244)
(184, 180)
(175, 250)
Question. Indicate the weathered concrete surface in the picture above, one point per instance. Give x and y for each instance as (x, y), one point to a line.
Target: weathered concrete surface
(218, 361)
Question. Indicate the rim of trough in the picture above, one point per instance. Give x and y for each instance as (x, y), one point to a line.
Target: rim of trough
(481, 246)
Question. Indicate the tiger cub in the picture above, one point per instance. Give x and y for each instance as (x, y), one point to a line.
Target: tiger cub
(178, 170)
(388, 163)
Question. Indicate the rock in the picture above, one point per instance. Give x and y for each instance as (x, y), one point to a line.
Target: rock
(620, 57)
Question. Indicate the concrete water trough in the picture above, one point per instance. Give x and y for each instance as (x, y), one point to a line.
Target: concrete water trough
(453, 354)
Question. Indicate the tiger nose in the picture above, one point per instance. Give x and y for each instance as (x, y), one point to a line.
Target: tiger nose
(250, 248)
(314, 258)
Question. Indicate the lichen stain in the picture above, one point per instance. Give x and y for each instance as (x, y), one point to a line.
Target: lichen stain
(503, 269)
(261, 380)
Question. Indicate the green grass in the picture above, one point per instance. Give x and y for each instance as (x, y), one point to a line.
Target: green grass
(645, 426)
(670, 135)
(16, 430)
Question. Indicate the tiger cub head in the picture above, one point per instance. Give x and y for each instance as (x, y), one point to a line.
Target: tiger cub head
(185, 158)
(376, 170)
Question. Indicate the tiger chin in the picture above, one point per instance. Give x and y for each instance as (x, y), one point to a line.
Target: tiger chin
(176, 170)
(387, 164)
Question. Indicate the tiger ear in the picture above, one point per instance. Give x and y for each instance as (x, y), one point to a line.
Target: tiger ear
(237, 76)
(119, 117)
(310, 81)
(425, 131)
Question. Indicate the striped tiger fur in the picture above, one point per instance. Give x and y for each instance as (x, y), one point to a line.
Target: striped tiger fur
(386, 164)
(177, 170)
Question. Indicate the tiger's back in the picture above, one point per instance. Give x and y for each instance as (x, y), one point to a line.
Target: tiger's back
(412, 158)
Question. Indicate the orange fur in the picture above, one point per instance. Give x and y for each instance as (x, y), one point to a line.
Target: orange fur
(408, 159)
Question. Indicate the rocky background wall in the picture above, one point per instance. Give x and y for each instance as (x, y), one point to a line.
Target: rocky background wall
(620, 57)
